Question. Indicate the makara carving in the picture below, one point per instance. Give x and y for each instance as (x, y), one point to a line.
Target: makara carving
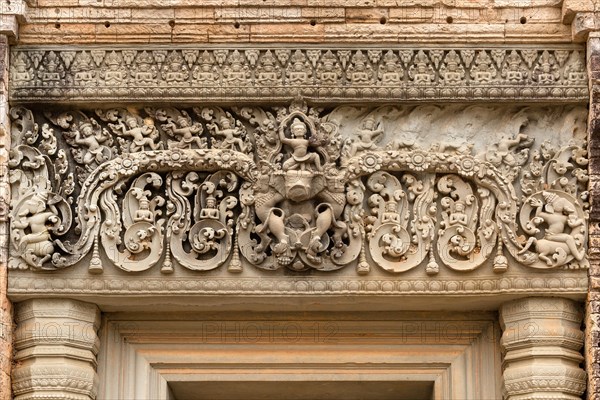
(299, 187)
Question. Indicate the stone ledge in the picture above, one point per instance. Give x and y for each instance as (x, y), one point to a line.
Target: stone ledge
(52, 286)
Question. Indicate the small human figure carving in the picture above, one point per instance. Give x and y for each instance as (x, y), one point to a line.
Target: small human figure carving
(35, 217)
(142, 135)
(421, 72)
(115, 75)
(502, 152)
(143, 213)
(20, 71)
(186, 133)
(368, 136)
(458, 215)
(300, 156)
(329, 71)
(299, 71)
(230, 133)
(557, 213)
(91, 141)
(146, 71)
(237, 72)
(547, 71)
(53, 73)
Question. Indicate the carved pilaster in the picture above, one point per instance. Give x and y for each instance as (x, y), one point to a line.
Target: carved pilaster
(56, 345)
(541, 341)
(593, 314)
(5, 306)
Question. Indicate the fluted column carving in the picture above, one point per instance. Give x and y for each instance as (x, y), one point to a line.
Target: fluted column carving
(57, 343)
(541, 344)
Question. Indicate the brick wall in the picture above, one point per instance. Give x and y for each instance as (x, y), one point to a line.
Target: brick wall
(351, 21)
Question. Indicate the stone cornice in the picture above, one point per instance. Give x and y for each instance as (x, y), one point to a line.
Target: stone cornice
(583, 17)
(584, 24)
(279, 73)
(11, 12)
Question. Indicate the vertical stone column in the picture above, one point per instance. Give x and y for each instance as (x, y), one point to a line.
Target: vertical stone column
(541, 340)
(11, 12)
(57, 343)
(593, 305)
(5, 306)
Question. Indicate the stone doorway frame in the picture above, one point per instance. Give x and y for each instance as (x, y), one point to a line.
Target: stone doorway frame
(458, 353)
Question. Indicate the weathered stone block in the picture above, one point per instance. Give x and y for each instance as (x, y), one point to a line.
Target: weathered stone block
(367, 15)
(526, 3)
(411, 14)
(324, 13)
(195, 14)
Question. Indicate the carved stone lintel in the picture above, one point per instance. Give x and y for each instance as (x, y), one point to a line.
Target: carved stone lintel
(56, 342)
(275, 75)
(299, 188)
(542, 339)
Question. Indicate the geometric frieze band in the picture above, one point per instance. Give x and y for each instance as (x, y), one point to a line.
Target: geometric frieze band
(397, 188)
(279, 74)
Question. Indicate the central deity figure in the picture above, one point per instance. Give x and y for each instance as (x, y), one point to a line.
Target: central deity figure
(298, 207)
(300, 157)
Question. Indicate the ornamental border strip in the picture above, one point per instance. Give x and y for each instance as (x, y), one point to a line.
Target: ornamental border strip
(319, 74)
(245, 286)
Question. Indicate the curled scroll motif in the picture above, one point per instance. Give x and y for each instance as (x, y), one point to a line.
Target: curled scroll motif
(463, 244)
(41, 214)
(554, 212)
(205, 244)
(133, 241)
(393, 244)
(297, 188)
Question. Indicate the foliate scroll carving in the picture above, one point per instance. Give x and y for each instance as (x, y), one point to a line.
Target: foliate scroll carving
(133, 240)
(280, 73)
(391, 245)
(299, 187)
(200, 230)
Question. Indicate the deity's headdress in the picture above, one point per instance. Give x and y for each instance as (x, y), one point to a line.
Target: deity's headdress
(296, 123)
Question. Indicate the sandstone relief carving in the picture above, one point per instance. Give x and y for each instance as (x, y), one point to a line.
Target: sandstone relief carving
(299, 187)
(376, 74)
